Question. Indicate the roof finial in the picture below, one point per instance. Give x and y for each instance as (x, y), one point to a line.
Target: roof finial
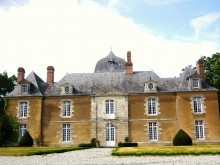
(111, 48)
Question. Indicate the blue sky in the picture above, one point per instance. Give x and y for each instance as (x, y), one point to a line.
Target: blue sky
(72, 35)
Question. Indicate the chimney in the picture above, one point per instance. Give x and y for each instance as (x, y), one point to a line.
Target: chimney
(200, 68)
(21, 74)
(128, 64)
(50, 75)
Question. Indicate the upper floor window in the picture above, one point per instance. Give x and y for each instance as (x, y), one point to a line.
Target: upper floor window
(195, 83)
(197, 105)
(24, 88)
(22, 130)
(151, 106)
(199, 129)
(66, 133)
(153, 131)
(109, 107)
(66, 108)
(23, 108)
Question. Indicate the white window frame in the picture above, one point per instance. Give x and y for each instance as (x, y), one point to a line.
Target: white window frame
(66, 133)
(22, 130)
(151, 106)
(196, 83)
(199, 130)
(110, 109)
(197, 105)
(24, 88)
(23, 109)
(152, 131)
(66, 108)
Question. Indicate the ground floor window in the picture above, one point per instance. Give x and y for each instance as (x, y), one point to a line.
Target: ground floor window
(199, 128)
(153, 132)
(22, 130)
(66, 132)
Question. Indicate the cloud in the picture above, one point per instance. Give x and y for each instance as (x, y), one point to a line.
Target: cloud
(73, 35)
(163, 2)
(207, 25)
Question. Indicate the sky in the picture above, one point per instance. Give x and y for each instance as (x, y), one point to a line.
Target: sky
(164, 36)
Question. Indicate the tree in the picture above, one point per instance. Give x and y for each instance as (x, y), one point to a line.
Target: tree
(212, 71)
(8, 125)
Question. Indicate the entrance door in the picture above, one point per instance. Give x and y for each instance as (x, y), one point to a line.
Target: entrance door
(110, 135)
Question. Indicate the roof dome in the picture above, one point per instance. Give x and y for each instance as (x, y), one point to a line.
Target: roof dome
(110, 63)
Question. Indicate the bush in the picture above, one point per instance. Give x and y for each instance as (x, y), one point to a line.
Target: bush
(26, 140)
(127, 139)
(86, 145)
(129, 144)
(93, 142)
(182, 139)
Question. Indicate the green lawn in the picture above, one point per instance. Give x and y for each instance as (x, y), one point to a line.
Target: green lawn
(21, 151)
(168, 150)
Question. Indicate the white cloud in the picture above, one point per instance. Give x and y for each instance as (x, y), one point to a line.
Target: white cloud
(205, 24)
(73, 36)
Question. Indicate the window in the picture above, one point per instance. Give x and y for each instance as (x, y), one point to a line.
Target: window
(24, 88)
(197, 105)
(66, 133)
(153, 134)
(150, 86)
(66, 108)
(151, 102)
(67, 89)
(23, 106)
(199, 128)
(195, 83)
(22, 130)
(109, 107)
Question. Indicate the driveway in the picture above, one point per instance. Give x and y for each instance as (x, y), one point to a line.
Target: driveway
(103, 156)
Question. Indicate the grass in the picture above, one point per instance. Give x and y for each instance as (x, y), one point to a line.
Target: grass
(168, 150)
(27, 151)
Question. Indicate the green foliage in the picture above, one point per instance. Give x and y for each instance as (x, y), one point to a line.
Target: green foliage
(92, 143)
(127, 144)
(127, 139)
(85, 145)
(7, 84)
(8, 130)
(212, 71)
(26, 140)
(182, 139)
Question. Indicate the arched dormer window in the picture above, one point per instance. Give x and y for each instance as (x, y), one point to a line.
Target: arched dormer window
(67, 89)
(150, 86)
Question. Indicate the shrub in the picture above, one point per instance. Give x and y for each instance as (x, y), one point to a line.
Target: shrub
(129, 144)
(26, 140)
(182, 139)
(93, 142)
(86, 145)
(127, 139)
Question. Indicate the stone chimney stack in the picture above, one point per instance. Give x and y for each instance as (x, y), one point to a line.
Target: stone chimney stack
(128, 64)
(21, 74)
(50, 75)
(200, 68)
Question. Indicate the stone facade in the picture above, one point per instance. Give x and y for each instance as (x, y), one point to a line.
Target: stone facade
(115, 103)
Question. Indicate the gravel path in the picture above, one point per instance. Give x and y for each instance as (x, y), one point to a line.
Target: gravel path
(103, 156)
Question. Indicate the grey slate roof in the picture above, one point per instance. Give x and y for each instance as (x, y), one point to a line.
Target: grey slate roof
(37, 86)
(111, 63)
(91, 83)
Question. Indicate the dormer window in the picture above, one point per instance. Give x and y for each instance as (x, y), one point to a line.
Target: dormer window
(150, 86)
(24, 88)
(67, 89)
(195, 83)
